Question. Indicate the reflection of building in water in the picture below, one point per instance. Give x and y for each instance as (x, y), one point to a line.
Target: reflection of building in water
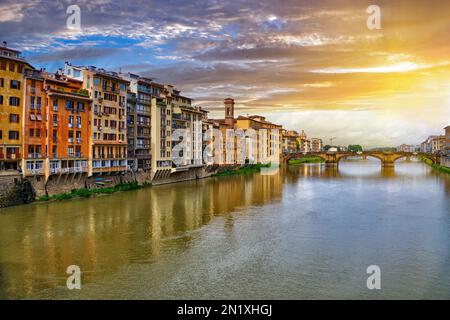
(104, 234)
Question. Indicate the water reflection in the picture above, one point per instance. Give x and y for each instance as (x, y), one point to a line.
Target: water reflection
(155, 226)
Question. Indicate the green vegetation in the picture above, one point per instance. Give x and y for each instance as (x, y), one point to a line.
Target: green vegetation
(354, 148)
(305, 160)
(436, 166)
(243, 170)
(86, 193)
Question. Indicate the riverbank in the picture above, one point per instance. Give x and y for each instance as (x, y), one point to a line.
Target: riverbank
(86, 193)
(243, 170)
(305, 160)
(436, 166)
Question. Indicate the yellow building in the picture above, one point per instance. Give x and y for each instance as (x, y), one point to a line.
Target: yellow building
(12, 68)
(260, 146)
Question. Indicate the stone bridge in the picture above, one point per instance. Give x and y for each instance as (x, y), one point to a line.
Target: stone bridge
(387, 158)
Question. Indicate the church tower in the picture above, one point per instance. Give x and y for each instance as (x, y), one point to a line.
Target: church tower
(229, 111)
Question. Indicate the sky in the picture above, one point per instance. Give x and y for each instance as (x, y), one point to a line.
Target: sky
(310, 65)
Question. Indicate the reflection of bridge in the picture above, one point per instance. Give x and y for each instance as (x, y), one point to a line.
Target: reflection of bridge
(387, 158)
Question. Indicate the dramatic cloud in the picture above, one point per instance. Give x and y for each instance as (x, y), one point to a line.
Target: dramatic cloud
(309, 64)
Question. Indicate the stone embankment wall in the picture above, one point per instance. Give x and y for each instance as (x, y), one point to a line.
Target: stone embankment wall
(12, 186)
(14, 190)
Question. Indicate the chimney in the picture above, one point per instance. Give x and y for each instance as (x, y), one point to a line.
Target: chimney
(229, 111)
(5, 44)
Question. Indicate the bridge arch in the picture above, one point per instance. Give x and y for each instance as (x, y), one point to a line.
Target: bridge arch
(348, 155)
(292, 156)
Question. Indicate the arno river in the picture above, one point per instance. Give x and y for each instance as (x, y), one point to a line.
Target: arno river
(307, 232)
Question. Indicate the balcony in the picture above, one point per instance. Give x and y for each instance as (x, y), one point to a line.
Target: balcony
(13, 156)
(55, 170)
(37, 171)
(35, 155)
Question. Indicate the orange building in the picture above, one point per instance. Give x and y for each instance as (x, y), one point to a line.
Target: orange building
(12, 67)
(108, 139)
(57, 125)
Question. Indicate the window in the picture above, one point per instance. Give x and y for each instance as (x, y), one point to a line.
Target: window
(1, 134)
(13, 135)
(14, 118)
(3, 65)
(12, 66)
(2, 82)
(15, 84)
(32, 117)
(19, 68)
(55, 105)
(31, 133)
(80, 106)
(38, 133)
(69, 104)
(96, 81)
(14, 101)
(1, 99)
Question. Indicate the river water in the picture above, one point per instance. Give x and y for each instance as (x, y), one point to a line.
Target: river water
(306, 232)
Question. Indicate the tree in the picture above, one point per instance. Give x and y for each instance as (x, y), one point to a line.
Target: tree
(354, 148)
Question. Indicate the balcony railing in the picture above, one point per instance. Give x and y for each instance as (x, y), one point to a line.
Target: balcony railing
(55, 170)
(13, 156)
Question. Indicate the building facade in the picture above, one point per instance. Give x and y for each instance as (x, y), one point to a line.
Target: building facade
(12, 69)
(316, 145)
(109, 93)
(139, 102)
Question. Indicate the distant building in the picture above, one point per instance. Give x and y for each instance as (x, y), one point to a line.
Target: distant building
(316, 145)
(290, 141)
(447, 141)
(445, 159)
(407, 148)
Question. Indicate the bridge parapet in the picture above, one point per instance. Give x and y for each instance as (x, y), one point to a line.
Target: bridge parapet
(387, 158)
